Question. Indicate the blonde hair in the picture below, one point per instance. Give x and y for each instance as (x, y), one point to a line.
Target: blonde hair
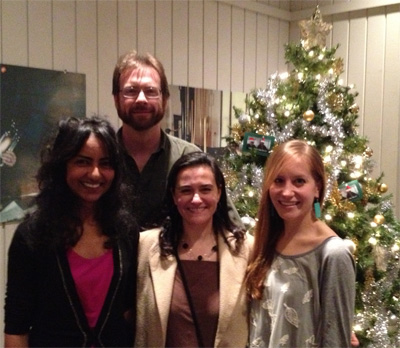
(269, 225)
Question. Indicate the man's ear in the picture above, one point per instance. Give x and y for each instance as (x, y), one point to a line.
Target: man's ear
(116, 101)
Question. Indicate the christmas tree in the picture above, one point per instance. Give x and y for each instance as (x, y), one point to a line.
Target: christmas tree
(310, 103)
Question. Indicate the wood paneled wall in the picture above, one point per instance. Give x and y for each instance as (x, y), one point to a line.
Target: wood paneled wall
(208, 44)
(203, 44)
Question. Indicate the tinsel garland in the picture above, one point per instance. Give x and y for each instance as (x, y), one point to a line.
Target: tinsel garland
(333, 125)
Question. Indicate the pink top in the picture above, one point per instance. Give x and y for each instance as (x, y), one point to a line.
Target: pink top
(92, 279)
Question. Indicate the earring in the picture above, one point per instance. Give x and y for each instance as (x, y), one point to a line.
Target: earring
(317, 208)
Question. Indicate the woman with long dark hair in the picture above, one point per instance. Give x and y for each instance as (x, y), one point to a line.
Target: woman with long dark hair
(190, 275)
(72, 262)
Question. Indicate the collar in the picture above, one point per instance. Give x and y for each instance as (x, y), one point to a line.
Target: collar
(164, 142)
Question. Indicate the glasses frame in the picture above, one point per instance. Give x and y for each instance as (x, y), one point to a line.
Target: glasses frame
(140, 89)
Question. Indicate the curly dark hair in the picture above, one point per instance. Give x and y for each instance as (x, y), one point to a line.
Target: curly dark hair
(172, 229)
(56, 220)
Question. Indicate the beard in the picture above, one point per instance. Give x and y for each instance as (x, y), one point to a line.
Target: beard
(139, 122)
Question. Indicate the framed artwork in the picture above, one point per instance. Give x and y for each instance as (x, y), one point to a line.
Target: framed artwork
(351, 190)
(32, 101)
(262, 144)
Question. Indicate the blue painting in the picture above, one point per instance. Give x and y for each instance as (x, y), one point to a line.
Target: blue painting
(32, 101)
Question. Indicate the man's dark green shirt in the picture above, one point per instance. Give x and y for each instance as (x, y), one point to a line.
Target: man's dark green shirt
(149, 185)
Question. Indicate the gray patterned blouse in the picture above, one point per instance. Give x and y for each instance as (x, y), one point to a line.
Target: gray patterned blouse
(308, 300)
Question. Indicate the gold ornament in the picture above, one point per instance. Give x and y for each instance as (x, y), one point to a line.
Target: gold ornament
(383, 187)
(354, 109)
(308, 115)
(338, 66)
(368, 152)
(314, 31)
(237, 133)
(379, 219)
(335, 101)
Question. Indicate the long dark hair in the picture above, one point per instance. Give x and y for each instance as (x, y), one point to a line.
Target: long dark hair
(56, 221)
(172, 230)
(270, 225)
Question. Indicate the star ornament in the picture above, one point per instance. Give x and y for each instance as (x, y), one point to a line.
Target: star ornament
(314, 31)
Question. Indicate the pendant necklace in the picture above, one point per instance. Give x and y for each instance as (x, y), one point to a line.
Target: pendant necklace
(200, 257)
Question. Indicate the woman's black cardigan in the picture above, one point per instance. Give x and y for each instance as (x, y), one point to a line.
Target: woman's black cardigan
(41, 299)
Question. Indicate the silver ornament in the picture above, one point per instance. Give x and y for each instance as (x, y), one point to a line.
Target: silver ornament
(244, 119)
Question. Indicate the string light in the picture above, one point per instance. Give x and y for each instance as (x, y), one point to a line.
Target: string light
(284, 75)
(372, 241)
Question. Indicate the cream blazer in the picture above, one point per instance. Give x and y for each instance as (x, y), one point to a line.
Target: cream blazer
(154, 291)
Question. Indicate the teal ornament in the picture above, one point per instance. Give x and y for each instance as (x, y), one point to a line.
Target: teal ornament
(317, 208)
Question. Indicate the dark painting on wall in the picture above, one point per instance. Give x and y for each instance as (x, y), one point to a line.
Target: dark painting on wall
(32, 101)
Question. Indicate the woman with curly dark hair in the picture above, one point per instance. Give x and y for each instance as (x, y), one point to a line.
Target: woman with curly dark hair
(191, 271)
(72, 262)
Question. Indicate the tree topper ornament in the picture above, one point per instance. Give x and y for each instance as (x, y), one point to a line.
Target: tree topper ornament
(314, 31)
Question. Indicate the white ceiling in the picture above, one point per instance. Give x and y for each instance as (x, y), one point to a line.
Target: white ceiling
(294, 10)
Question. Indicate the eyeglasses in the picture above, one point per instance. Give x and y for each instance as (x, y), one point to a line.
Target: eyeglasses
(132, 92)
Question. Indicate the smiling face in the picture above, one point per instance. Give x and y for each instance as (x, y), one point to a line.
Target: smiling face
(196, 195)
(140, 113)
(293, 191)
(89, 174)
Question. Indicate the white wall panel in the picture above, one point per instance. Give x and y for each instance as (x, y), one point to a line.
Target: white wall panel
(163, 22)
(64, 35)
(6, 234)
(250, 50)
(195, 42)
(273, 45)
(373, 102)
(262, 51)
(107, 56)
(237, 58)
(357, 59)
(146, 26)
(224, 47)
(127, 26)
(40, 49)
(179, 43)
(340, 35)
(210, 44)
(391, 103)
(86, 51)
(282, 40)
(14, 32)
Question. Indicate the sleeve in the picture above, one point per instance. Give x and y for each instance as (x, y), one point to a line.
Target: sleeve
(20, 288)
(337, 296)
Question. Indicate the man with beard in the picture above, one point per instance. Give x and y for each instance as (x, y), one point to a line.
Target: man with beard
(140, 90)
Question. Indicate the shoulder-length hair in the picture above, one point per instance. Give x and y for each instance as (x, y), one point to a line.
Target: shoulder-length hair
(57, 217)
(172, 230)
(269, 227)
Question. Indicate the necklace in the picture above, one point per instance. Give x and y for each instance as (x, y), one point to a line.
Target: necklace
(200, 257)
